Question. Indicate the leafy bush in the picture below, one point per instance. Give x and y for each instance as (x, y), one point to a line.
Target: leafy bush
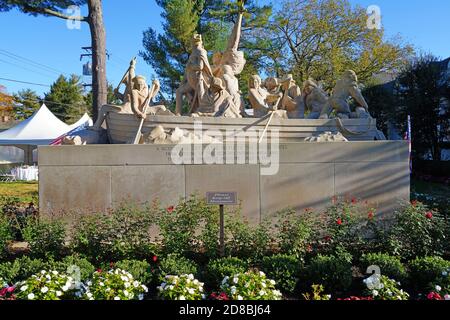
(217, 269)
(246, 241)
(47, 285)
(417, 231)
(184, 287)
(250, 286)
(117, 235)
(345, 224)
(425, 271)
(116, 284)
(22, 268)
(390, 266)
(17, 214)
(140, 270)
(174, 265)
(334, 272)
(383, 288)
(442, 284)
(46, 238)
(317, 294)
(284, 269)
(77, 267)
(295, 232)
(5, 236)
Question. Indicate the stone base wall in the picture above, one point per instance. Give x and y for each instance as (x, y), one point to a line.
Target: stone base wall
(90, 178)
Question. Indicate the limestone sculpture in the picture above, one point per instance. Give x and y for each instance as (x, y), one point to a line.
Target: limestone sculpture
(315, 100)
(327, 137)
(198, 72)
(159, 135)
(260, 99)
(346, 88)
(136, 98)
(291, 92)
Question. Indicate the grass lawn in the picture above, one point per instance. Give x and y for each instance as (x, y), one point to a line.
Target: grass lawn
(25, 191)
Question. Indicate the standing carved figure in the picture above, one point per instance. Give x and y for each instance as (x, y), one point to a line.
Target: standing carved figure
(197, 69)
(291, 92)
(229, 64)
(346, 88)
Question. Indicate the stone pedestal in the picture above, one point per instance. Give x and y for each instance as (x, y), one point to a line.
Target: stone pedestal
(98, 177)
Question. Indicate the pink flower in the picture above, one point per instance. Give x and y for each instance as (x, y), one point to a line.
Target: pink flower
(434, 296)
(155, 258)
(370, 215)
(170, 209)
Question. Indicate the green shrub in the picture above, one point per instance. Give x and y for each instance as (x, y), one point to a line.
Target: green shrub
(46, 238)
(247, 241)
(75, 266)
(390, 266)
(118, 235)
(179, 228)
(424, 271)
(284, 269)
(218, 269)
(176, 265)
(5, 236)
(22, 268)
(334, 272)
(417, 232)
(140, 270)
(295, 232)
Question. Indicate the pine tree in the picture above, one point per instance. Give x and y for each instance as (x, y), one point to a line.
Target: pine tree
(26, 102)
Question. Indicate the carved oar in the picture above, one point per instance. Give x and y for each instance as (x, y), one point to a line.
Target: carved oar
(267, 126)
(125, 75)
(144, 111)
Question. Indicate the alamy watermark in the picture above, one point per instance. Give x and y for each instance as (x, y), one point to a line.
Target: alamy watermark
(74, 14)
(252, 146)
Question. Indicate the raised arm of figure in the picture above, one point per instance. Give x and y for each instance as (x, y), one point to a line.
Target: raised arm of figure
(235, 38)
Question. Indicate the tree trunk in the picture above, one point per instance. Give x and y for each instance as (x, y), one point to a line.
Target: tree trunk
(98, 39)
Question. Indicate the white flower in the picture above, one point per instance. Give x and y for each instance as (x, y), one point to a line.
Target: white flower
(89, 283)
(262, 293)
(126, 293)
(263, 284)
(44, 290)
(235, 280)
(200, 289)
(89, 295)
(43, 272)
(124, 278)
(182, 298)
(30, 296)
(48, 277)
(101, 284)
(203, 297)
(225, 279)
(145, 288)
(233, 290)
(272, 282)
(127, 285)
(141, 297)
(240, 298)
(190, 291)
(23, 288)
(447, 297)
(116, 298)
(65, 288)
(135, 284)
(438, 288)
(58, 293)
(55, 273)
(375, 293)
(262, 274)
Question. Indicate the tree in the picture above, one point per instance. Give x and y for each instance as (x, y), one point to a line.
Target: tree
(168, 53)
(55, 8)
(26, 102)
(111, 99)
(321, 39)
(6, 103)
(66, 99)
(424, 95)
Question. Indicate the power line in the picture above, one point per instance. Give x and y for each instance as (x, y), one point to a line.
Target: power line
(29, 61)
(25, 68)
(25, 82)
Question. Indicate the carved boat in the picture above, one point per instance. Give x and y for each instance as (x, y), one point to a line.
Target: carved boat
(122, 128)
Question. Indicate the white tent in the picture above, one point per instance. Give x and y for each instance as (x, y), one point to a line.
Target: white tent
(42, 128)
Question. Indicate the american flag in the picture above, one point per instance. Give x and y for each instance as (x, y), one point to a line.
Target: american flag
(408, 138)
(58, 141)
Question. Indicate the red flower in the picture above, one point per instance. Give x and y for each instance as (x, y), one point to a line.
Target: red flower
(155, 259)
(3, 292)
(327, 238)
(354, 201)
(370, 215)
(434, 296)
(99, 270)
(339, 221)
(170, 209)
(10, 289)
(414, 203)
(429, 215)
(111, 265)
